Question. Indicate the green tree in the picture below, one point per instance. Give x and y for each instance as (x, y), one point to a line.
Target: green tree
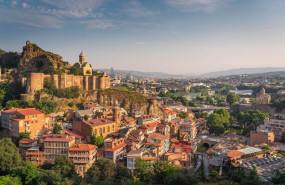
(29, 173)
(201, 114)
(56, 128)
(162, 94)
(183, 114)
(102, 170)
(144, 171)
(252, 178)
(237, 175)
(24, 135)
(92, 175)
(86, 117)
(266, 147)
(161, 169)
(179, 178)
(214, 174)
(122, 174)
(9, 180)
(9, 156)
(71, 104)
(64, 166)
(218, 121)
(232, 98)
(279, 178)
(251, 120)
(2, 96)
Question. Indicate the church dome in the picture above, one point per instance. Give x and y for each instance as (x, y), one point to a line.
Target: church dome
(82, 54)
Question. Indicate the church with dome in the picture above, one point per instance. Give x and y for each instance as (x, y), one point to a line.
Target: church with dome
(83, 67)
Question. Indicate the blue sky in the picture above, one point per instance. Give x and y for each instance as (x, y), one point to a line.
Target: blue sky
(173, 36)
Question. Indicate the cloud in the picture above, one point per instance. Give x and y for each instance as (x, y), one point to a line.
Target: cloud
(74, 4)
(25, 5)
(140, 43)
(136, 9)
(98, 24)
(197, 5)
(29, 18)
(49, 13)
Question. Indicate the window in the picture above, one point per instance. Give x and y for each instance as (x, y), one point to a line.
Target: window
(108, 129)
(103, 130)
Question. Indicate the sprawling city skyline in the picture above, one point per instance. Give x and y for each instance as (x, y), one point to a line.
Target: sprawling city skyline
(172, 36)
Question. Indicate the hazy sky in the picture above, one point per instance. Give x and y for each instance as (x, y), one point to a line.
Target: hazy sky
(173, 36)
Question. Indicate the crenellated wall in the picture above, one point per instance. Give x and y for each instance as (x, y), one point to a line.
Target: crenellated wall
(35, 82)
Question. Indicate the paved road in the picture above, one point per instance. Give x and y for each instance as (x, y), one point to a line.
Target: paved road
(198, 162)
(206, 165)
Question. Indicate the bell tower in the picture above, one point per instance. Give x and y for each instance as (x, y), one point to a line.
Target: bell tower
(82, 58)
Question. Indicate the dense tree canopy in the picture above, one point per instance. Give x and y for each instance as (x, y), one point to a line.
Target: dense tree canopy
(56, 128)
(9, 156)
(218, 121)
(232, 98)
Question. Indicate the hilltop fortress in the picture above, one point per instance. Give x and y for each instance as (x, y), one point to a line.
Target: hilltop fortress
(87, 80)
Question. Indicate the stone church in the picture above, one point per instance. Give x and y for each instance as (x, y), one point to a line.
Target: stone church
(83, 67)
(263, 98)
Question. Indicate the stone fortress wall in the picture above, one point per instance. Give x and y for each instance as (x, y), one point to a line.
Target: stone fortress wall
(35, 82)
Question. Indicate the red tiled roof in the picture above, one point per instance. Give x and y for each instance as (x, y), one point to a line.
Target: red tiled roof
(158, 136)
(27, 141)
(26, 111)
(82, 147)
(98, 122)
(150, 125)
(130, 119)
(116, 148)
(57, 138)
(234, 154)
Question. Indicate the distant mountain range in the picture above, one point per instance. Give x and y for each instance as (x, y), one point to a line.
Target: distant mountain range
(205, 75)
(241, 71)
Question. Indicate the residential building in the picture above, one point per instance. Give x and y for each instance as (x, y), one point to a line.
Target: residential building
(148, 154)
(161, 142)
(115, 149)
(275, 125)
(146, 119)
(82, 156)
(92, 106)
(129, 122)
(179, 154)
(19, 120)
(25, 144)
(261, 137)
(163, 129)
(56, 145)
(80, 114)
(168, 114)
(35, 155)
(149, 128)
(188, 127)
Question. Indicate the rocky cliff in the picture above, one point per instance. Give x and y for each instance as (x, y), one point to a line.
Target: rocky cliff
(35, 59)
(128, 100)
(32, 59)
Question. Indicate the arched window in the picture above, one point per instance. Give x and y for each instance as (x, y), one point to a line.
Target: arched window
(108, 129)
(103, 130)
(113, 128)
(95, 132)
(100, 130)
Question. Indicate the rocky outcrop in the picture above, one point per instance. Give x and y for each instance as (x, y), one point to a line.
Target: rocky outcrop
(128, 100)
(9, 59)
(35, 59)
